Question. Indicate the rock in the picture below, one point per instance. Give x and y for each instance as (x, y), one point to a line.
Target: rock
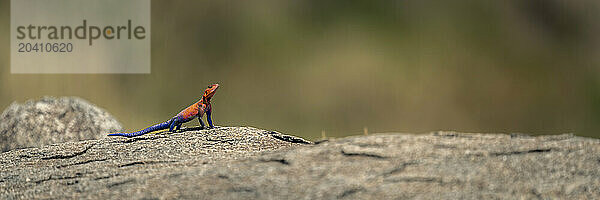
(52, 120)
(242, 163)
(105, 167)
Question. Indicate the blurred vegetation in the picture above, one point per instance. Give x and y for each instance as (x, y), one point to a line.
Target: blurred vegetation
(303, 67)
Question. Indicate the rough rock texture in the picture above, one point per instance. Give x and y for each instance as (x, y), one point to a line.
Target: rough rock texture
(52, 120)
(248, 163)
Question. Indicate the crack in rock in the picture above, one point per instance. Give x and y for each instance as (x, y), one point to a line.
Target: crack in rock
(144, 163)
(241, 189)
(120, 183)
(103, 177)
(350, 192)
(321, 141)
(416, 179)
(277, 160)
(370, 155)
(81, 163)
(351, 150)
(288, 138)
(69, 156)
(106, 177)
(399, 168)
(520, 152)
(222, 176)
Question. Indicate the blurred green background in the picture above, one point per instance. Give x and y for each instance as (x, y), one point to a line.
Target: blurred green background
(303, 67)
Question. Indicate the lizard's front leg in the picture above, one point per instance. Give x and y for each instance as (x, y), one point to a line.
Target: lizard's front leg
(208, 118)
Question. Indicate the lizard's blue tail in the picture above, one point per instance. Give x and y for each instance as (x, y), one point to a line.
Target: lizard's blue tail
(156, 127)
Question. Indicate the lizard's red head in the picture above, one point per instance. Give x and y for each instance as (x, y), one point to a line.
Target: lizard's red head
(210, 91)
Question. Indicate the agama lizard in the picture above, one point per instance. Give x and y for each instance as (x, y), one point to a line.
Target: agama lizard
(195, 110)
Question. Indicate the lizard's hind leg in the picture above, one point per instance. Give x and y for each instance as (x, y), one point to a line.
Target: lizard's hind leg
(173, 124)
(209, 119)
(201, 122)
